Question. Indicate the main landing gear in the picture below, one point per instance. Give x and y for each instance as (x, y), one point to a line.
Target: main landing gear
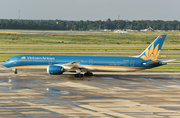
(88, 74)
(78, 75)
(78, 71)
(85, 74)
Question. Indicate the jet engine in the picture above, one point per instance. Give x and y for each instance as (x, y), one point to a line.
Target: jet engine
(55, 70)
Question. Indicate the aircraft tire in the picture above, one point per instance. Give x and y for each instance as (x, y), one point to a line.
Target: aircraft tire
(81, 75)
(15, 72)
(78, 75)
(88, 74)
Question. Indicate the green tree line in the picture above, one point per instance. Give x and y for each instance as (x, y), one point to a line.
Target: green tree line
(87, 25)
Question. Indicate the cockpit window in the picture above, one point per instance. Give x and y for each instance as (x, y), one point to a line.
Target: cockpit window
(8, 60)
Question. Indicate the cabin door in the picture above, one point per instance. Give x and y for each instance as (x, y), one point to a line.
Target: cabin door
(15, 60)
(91, 62)
(132, 63)
(50, 61)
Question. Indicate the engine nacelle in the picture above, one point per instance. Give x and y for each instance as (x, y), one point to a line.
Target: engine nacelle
(55, 70)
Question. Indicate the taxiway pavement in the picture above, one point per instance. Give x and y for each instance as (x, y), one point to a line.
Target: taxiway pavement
(108, 95)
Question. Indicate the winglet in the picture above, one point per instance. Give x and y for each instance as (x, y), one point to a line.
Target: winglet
(153, 50)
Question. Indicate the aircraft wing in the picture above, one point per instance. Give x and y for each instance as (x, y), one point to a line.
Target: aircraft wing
(73, 66)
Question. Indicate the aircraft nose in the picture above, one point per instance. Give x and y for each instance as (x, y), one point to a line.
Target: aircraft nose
(6, 64)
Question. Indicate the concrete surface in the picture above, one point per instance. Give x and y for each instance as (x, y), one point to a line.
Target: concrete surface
(35, 94)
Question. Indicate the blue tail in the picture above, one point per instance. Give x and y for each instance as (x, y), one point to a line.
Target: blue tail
(153, 50)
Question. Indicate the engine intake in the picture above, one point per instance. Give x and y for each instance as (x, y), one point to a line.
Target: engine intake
(55, 70)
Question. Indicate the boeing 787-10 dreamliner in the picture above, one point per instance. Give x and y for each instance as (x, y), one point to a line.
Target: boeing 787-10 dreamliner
(58, 64)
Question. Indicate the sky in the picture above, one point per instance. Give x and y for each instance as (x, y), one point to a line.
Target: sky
(93, 10)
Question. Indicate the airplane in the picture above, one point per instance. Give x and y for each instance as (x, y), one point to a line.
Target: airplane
(58, 64)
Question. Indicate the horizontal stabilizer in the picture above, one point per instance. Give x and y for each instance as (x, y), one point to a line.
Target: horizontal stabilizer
(169, 60)
(152, 63)
(159, 62)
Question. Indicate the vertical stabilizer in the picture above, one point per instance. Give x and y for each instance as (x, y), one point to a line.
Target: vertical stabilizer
(153, 50)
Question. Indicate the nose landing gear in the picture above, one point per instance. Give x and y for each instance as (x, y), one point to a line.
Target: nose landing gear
(15, 71)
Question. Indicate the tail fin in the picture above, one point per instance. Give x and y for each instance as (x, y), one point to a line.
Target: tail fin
(153, 50)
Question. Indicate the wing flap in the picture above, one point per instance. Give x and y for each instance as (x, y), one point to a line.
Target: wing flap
(75, 65)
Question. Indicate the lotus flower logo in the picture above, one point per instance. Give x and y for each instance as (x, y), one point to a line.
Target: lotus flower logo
(151, 54)
(23, 57)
